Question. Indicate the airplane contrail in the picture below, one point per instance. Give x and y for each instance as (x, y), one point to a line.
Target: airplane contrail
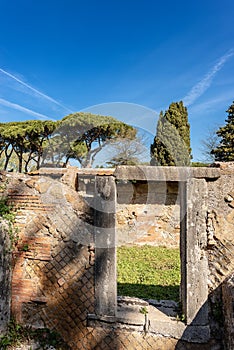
(23, 109)
(34, 90)
(198, 89)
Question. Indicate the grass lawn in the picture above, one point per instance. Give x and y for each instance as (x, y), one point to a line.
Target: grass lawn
(148, 272)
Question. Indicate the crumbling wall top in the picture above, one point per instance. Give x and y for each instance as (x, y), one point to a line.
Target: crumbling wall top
(165, 173)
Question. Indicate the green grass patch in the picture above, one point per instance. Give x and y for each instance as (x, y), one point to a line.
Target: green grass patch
(148, 272)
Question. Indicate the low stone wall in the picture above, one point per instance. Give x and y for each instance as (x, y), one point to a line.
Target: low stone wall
(54, 282)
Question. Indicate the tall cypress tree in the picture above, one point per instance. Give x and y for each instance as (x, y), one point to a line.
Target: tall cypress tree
(224, 152)
(171, 144)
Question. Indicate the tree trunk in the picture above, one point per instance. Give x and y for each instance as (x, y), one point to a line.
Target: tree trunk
(8, 157)
(20, 163)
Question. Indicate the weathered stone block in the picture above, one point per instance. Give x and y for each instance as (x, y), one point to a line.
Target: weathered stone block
(105, 247)
(193, 252)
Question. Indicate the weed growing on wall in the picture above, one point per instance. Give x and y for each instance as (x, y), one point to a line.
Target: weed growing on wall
(43, 337)
(7, 215)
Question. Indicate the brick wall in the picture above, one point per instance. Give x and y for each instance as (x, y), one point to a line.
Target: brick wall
(5, 276)
(220, 228)
(148, 213)
(53, 263)
(52, 283)
(5, 263)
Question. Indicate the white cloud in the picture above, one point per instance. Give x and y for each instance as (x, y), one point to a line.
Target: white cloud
(198, 89)
(212, 104)
(37, 92)
(18, 107)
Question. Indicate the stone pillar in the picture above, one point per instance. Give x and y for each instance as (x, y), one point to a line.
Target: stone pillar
(105, 246)
(194, 286)
(5, 277)
(228, 308)
(183, 245)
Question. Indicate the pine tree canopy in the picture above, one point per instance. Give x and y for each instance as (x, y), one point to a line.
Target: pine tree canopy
(224, 152)
(79, 136)
(171, 144)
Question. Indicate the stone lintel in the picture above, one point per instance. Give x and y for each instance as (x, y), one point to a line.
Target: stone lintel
(95, 171)
(149, 173)
(164, 173)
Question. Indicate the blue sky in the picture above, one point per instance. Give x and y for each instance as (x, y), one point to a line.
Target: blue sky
(126, 58)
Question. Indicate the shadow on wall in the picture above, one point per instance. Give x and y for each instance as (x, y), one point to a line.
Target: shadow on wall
(53, 265)
(146, 291)
(147, 192)
(209, 335)
(53, 278)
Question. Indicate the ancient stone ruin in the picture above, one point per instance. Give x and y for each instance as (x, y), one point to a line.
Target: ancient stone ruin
(70, 222)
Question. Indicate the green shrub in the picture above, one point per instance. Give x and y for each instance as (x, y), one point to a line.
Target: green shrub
(44, 337)
(8, 215)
